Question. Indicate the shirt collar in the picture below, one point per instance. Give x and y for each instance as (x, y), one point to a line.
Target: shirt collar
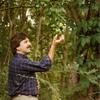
(21, 55)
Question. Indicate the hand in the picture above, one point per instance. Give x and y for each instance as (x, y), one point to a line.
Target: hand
(58, 39)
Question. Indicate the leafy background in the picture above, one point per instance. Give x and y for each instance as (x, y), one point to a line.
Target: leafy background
(75, 74)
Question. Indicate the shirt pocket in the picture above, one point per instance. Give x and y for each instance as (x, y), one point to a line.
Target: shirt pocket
(19, 80)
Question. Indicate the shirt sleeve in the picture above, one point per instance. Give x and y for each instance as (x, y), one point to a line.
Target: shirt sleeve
(36, 66)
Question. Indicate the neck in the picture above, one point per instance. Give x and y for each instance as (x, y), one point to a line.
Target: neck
(21, 52)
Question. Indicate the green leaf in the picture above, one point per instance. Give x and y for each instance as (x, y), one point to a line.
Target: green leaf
(92, 71)
(84, 40)
(97, 63)
(93, 79)
(97, 37)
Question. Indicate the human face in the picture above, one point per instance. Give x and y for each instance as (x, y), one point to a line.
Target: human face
(24, 47)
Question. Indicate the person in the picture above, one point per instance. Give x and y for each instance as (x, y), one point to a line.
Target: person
(22, 81)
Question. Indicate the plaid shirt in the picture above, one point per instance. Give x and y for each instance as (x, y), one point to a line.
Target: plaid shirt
(22, 78)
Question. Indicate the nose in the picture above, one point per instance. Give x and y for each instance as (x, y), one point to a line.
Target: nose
(29, 43)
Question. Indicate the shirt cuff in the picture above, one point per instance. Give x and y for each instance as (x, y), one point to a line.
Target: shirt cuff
(47, 59)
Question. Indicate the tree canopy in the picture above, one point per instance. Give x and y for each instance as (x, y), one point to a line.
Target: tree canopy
(75, 74)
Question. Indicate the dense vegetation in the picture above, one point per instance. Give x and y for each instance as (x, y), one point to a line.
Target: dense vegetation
(75, 74)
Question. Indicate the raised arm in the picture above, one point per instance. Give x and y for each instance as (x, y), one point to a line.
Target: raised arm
(56, 40)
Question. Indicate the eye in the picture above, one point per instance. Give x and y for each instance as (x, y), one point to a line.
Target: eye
(25, 41)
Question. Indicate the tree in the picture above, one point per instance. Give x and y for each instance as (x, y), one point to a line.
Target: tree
(76, 66)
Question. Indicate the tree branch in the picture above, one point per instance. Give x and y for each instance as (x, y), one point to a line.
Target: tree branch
(1, 3)
(16, 7)
(73, 12)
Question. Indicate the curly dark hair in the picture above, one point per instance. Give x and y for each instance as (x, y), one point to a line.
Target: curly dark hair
(16, 39)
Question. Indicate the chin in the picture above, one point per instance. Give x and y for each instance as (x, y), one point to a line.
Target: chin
(28, 52)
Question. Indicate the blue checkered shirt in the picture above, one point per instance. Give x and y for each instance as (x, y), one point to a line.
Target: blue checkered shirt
(22, 78)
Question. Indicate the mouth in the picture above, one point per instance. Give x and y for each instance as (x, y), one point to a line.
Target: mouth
(29, 47)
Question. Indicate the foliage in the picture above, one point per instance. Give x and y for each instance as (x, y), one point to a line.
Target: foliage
(77, 62)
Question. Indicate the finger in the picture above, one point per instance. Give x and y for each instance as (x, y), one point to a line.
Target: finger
(55, 37)
(62, 37)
